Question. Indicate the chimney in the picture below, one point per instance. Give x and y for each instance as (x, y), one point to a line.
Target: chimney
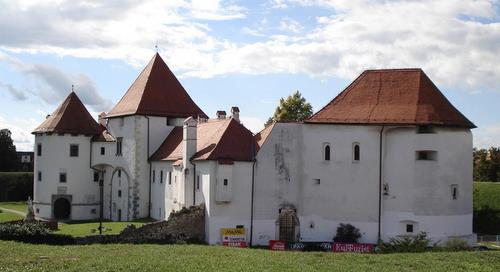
(102, 118)
(188, 141)
(235, 113)
(221, 114)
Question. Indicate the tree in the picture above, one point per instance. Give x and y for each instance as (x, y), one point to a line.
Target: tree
(293, 108)
(487, 164)
(8, 155)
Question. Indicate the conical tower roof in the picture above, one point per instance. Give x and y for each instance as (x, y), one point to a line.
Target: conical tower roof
(156, 92)
(391, 97)
(70, 117)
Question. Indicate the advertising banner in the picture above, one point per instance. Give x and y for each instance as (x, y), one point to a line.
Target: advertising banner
(277, 245)
(360, 248)
(320, 246)
(233, 237)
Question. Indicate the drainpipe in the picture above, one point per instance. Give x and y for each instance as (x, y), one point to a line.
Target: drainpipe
(194, 181)
(147, 154)
(380, 186)
(252, 193)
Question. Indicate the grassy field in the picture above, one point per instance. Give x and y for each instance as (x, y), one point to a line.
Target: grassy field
(90, 228)
(17, 256)
(7, 216)
(487, 194)
(18, 206)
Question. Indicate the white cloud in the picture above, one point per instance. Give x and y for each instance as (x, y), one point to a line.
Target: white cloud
(290, 25)
(21, 131)
(254, 124)
(487, 136)
(13, 91)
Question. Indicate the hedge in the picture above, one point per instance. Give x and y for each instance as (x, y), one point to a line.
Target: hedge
(16, 186)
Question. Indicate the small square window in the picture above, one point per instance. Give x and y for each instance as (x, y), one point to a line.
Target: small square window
(154, 176)
(225, 182)
(119, 146)
(119, 173)
(409, 228)
(96, 176)
(73, 150)
(426, 129)
(198, 182)
(37, 210)
(93, 211)
(39, 176)
(62, 177)
(103, 150)
(426, 155)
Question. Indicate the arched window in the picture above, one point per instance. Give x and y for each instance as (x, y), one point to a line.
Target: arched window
(356, 151)
(327, 152)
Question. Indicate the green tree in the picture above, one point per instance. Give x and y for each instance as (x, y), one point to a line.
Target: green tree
(293, 108)
(8, 156)
(487, 164)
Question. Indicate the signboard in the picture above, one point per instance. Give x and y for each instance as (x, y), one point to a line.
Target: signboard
(277, 245)
(359, 248)
(233, 237)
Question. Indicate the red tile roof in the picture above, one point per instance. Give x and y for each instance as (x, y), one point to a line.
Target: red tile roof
(261, 137)
(222, 140)
(103, 136)
(157, 92)
(392, 97)
(70, 117)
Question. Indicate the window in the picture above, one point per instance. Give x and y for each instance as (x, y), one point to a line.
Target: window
(119, 193)
(154, 176)
(73, 150)
(93, 211)
(62, 177)
(454, 191)
(119, 146)
(225, 182)
(169, 178)
(96, 176)
(427, 129)
(198, 182)
(426, 155)
(39, 176)
(119, 173)
(161, 176)
(355, 152)
(175, 179)
(409, 228)
(103, 150)
(317, 181)
(327, 152)
(39, 150)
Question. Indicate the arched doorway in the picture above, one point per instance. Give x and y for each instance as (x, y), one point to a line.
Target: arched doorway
(62, 208)
(288, 225)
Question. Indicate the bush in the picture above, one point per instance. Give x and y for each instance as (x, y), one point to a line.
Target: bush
(33, 233)
(16, 186)
(347, 233)
(405, 243)
(454, 244)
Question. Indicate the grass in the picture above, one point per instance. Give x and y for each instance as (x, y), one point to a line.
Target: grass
(84, 228)
(18, 256)
(18, 206)
(7, 216)
(487, 194)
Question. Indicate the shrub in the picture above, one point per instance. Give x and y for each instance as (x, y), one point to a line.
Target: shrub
(18, 230)
(454, 244)
(405, 243)
(347, 233)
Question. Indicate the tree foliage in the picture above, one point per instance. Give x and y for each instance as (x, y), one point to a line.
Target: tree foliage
(8, 155)
(293, 108)
(487, 164)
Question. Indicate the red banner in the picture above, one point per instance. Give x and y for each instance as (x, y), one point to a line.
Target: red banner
(277, 245)
(359, 248)
(235, 244)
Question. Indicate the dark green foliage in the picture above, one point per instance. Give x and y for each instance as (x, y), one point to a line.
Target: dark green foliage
(18, 230)
(16, 186)
(486, 221)
(293, 108)
(487, 164)
(347, 233)
(486, 208)
(8, 155)
(406, 243)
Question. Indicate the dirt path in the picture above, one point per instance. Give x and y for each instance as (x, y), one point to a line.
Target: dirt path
(13, 211)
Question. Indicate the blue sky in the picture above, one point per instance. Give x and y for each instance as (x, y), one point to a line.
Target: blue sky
(243, 53)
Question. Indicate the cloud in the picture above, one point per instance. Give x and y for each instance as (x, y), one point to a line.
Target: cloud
(53, 85)
(290, 25)
(254, 124)
(13, 91)
(487, 136)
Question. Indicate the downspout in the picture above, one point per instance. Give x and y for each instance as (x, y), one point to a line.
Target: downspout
(194, 181)
(252, 192)
(149, 175)
(380, 186)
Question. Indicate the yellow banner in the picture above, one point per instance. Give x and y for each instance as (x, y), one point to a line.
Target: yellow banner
(232, 232)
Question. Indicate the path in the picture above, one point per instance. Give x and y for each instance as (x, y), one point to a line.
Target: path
(13, 211)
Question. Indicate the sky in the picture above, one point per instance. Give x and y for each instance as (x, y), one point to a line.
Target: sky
(243, 53)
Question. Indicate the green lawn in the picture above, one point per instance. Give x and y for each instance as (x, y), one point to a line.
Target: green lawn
(18, 206)
(487, 194)
(128, 257)
(7, 216)
(90, 228)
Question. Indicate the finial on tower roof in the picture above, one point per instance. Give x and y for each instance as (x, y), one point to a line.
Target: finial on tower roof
(156, 46)
(72, 87)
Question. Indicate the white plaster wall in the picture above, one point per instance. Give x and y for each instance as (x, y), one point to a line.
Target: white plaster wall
(420, 191)
(159, 208)
(55, 159)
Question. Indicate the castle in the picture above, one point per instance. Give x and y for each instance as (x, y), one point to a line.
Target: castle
(389, 155)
